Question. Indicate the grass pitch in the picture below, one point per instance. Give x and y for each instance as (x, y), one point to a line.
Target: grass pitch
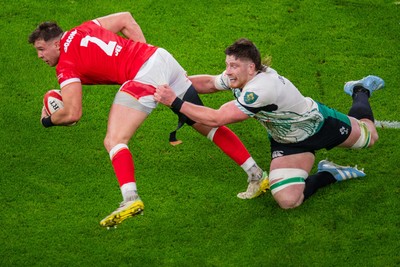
(57, 184)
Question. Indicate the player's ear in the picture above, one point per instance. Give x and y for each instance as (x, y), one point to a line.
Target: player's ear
(252, 67)
(57, 43)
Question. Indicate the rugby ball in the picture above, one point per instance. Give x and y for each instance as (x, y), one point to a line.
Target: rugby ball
(52, 101)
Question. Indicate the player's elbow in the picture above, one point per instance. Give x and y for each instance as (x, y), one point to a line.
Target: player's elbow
(73, 117)
(126, 15)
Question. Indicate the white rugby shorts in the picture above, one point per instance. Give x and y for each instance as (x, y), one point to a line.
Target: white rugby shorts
(161, 68)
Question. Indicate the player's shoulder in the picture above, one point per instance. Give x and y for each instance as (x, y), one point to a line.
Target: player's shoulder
(70, 34)
(89, 24)
(83, 28)
(270, 73)
(271, 78)
(265, 85)
(262, 81)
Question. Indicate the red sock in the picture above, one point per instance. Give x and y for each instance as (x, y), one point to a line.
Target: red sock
(124, 167)
(231, 145)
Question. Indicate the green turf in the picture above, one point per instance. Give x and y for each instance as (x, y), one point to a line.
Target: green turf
(57, 184)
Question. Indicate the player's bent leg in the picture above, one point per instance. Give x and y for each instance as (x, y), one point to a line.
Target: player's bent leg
(233, 147)
(369, 126)
(123, 122)
(287, 186)
(124, 119)
(363, 134)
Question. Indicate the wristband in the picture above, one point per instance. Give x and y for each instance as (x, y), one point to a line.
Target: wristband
(46, 122)
(177, 104)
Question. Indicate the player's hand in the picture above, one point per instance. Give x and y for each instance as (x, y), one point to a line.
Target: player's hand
(44, 113)
(165, 95)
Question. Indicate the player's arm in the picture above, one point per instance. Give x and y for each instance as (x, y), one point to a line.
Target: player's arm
(125, 23)
(227, 113)
(204, 83)
(72, 110)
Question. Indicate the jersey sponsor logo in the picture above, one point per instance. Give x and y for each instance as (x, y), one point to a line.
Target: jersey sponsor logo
(118, 49)
(69, 40)
(250, 97)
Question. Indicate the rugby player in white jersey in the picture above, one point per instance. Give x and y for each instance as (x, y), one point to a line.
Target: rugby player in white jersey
(297, 126)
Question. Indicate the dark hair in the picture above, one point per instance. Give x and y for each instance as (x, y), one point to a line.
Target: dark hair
(45, 31)
(245, 49)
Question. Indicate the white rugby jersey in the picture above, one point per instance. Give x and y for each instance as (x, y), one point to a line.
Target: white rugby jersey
(278, 105)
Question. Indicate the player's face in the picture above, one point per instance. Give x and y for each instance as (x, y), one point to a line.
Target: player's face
(48, 51)
(239, 71)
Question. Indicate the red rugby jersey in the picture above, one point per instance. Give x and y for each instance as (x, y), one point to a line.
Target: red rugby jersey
(92, 54)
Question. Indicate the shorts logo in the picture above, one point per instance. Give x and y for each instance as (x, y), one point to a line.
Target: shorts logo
(344, 130)
(277, 154)
(250, 97)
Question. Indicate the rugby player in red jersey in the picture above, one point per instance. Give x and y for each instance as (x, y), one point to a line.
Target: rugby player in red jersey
(94, 53)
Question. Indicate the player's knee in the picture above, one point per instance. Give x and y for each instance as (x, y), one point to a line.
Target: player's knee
(107, 143)
(290, 201)
(110, 142)
(287, 186)
(374, 137)
(373, 140)
(374, 134)
(368, 135)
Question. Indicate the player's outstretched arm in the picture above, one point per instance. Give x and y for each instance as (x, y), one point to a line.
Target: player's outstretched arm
(204, 83)
(226, 114)
(125, 23)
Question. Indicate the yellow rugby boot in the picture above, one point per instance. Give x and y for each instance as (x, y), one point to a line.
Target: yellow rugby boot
(255, 188)
(126, 210)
